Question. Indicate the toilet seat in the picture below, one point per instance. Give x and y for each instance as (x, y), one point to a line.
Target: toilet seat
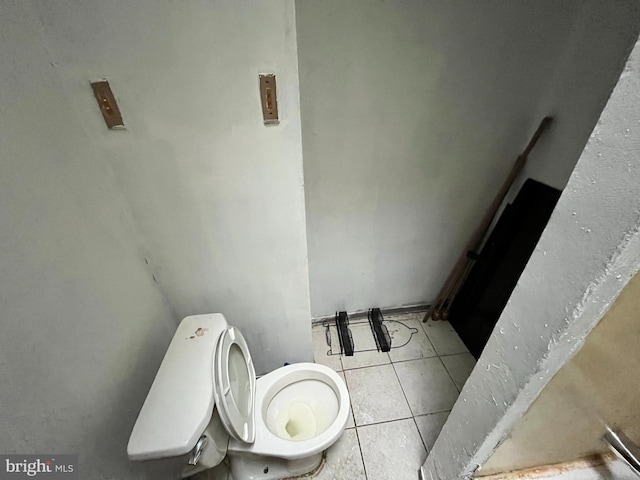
(234, 382)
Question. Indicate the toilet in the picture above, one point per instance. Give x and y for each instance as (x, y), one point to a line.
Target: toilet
(207, 405)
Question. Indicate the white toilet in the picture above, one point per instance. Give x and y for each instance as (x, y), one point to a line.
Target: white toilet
(206, 402)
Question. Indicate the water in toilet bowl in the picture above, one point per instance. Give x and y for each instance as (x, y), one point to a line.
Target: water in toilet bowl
(297, 422)
(302, 410)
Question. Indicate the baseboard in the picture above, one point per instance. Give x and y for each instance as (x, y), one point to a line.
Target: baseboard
(385, 311)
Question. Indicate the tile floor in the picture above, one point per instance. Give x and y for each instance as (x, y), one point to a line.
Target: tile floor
(399, 400)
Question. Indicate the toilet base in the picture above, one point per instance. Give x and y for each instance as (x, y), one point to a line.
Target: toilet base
(256, 467)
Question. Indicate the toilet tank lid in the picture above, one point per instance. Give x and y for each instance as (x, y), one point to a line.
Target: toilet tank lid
(180, 402)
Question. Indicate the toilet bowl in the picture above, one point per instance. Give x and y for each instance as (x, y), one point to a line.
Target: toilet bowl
(206, 402)
(302, 409)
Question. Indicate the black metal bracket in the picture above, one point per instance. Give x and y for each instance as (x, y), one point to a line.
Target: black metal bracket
(380, 332)
(344, 334)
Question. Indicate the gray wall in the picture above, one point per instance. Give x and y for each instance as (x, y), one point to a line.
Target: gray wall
(587, 254)
(217, 197)
(413, 112)
(84, 326)
(596, 388)
(196, 192)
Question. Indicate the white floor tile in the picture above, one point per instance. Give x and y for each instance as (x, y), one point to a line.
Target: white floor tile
(459, 367)
(365, 359)
(408, 340)
(427, 385)
(444, 338)
(343, 461)
(366, 353)
(376, 395)
(392, 451)
(363, 338)
(429, 427)
(322, 352)
(350, 422)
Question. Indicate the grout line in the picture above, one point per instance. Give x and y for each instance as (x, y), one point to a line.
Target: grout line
(415, 359)
(355, 427)
(420, 435)
(364, 465)
(391, 362)
(453, 354)
(403, 392)
(396, 361)
(353, 416)
(454, 382)
(445, 354)
(413, 417)
(433, 347)
(434, 413)
(367, 366)
(391, 421)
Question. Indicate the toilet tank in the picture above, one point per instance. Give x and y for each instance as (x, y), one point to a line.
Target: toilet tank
(180, 403)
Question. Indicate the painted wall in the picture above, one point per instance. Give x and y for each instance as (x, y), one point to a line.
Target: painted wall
(196, 194)
(587, 254)
(217, 197)
(84, 326)
(598, 387)
(413, 113)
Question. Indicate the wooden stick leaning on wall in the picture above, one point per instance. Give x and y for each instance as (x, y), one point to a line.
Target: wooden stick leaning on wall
(453, 281)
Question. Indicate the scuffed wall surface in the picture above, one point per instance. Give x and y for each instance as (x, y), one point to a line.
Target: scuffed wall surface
(413, 113)
(84, 326)
(599, 386)
(217, 196)
(588, 252)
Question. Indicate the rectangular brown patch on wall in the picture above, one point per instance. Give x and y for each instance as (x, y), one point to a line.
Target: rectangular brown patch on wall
(269, 98)
(107, 103)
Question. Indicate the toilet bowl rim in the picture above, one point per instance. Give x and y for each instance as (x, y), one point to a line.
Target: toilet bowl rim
(268, 443)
